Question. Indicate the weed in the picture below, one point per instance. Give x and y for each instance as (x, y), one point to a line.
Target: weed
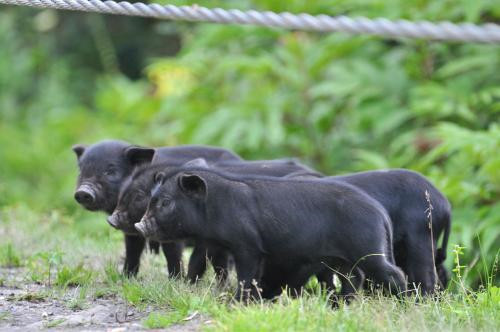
(30, 297)
(4, 315)
(104, 293)
(78, 302)
(133, 293)
(156, 320)
(9, 257)
(54, 323)
(112, 274)
(77, 276)
(41, 266)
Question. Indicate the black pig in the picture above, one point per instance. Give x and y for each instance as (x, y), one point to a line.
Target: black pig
(274, 220)
(104, 166)
(402, 193)
(135, 192)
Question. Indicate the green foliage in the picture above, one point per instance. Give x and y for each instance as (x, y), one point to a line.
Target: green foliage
(341, 103)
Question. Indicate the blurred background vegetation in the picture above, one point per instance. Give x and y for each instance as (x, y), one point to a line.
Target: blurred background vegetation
(340, 103)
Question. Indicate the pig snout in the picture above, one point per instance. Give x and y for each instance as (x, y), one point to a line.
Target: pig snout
(85, 195)
(114, 220)
(141, 228)
(144, 227)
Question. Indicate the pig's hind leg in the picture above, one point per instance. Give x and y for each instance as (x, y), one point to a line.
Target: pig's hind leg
(383, 272)
(351, 279)
(420, 264)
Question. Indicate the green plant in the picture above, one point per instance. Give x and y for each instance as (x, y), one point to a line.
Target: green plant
(43, 265)
(112, 274)
(78, 302)
(54, 323)
(34, 297)
(156, 320)
(73, 276)
(8, 256)
(4, 315)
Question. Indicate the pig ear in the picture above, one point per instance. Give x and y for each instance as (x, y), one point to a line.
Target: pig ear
(198, 162)
(79, 149)
(159, 178)
(192, 184)
(139, 155)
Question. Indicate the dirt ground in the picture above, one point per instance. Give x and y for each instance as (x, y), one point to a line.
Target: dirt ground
(26, 306)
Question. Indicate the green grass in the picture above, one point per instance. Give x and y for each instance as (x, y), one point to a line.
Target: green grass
(32, 297)
(86, 265)
(8, 256)
(54, 323)
(156, 320)
(4, 315)
(78, 301)
(73, 276)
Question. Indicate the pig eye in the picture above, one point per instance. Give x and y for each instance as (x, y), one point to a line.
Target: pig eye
(111, 172)
(140, 197)
(163, 203)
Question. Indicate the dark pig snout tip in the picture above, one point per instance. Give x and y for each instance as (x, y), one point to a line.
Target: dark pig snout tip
(85, 195)
(112, 220)
(141, 228)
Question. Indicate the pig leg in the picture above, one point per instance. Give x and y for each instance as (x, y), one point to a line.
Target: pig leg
(197, 262)
(443, 276)
(351, 280)
(134, 245)
(325, 278)
(248, 269)
(271, 280)
(297, 278)
(173, 254)
(154, 247)
(420, 265)
(383, 272)
(219, 258)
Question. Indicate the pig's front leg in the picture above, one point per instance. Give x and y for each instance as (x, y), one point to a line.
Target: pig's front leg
(197, 262)
(248, 270)
(173, 254)
(134, 245)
